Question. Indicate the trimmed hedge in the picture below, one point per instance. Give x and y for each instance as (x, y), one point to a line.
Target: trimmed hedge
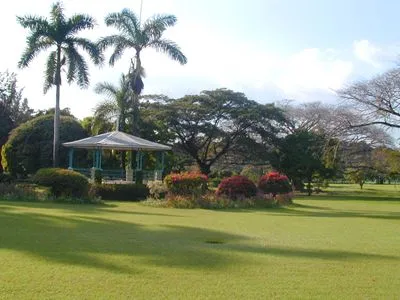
(237, 187)
(62, 182)
(120, 192)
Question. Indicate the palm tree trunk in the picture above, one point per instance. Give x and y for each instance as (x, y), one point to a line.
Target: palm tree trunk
(135, 114)
(56, 133)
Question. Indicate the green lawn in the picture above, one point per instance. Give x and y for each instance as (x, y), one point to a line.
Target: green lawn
(324, 246)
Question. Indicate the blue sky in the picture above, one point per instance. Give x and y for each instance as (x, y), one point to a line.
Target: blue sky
(269, 49)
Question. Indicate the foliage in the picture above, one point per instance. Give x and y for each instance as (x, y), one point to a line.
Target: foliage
(6, 178)
(377, 99)
(61, 34)
(187, 183)
(29, 147)
(275, 183)
(120, 192)
(214, 182)
(358, 176)
(18, 192)
(98, 176)
(221, 124)
(14, 110)
(237, 187)
(137, 36)
(157, 189)
(252, 172)
(62, 182)
(300, 155)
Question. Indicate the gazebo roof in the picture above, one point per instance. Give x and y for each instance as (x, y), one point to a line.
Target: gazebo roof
(116, 140)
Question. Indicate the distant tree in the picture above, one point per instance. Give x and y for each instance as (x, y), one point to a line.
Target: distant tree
(14, 109)
(376, 100)
(136, 36)
(51, 111)
(300, 156)
(94, 128)
(358, 176)
(29, 147)
(218, 123)
(61, 34)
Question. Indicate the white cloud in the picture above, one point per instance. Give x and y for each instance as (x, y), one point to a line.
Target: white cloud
(365, 51)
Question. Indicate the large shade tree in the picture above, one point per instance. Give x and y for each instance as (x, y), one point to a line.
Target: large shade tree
(135, 36)
(59, 35)
(221, 124)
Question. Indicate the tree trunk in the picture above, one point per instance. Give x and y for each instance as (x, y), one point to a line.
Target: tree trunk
(135, 114)
(204, 169)
(56, 132)
(309, 191)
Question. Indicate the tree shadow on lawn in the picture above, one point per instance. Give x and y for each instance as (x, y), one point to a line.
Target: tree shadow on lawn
(116, 246)
(107, 207)
(324, 212)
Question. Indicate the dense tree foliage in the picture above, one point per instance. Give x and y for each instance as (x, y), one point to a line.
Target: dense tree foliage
(29, 147)
(218, 123)
(14, 109)
(60, 34)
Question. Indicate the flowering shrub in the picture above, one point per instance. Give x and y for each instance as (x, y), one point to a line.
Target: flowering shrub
(157, 189)
(236, 187)
(188, 183)
(275, 183)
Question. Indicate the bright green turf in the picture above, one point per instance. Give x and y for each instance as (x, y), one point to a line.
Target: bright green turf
(322, 247)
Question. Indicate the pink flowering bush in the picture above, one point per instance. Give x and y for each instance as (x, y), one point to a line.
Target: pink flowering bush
(187, 183)
(236, 187)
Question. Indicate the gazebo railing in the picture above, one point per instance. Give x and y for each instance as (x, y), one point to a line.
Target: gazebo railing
(118, 174)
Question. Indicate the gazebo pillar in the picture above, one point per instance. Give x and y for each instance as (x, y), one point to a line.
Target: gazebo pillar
(70, 158)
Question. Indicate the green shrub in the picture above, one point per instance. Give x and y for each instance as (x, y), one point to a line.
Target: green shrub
(30, 146)
(63, 182)
(189, 183)
(98, 176)
(6, 178)
(157, 189)
(19, 192)
(237, 187)
(214, 182)
(121, 192)
(252, 172)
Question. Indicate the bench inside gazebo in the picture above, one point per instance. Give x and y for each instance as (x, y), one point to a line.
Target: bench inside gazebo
(117, 140)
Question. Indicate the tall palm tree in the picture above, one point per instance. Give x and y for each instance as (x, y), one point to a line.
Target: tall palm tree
(136, 36)
(60, 34)
(116, 106)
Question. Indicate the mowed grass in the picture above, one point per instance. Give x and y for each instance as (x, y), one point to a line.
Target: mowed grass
(342, 245)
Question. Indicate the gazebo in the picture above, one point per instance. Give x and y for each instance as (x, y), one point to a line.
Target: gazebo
(117, 140)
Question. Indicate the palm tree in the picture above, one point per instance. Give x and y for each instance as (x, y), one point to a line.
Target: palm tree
(116, 106)
(136, 36)
(60, 34)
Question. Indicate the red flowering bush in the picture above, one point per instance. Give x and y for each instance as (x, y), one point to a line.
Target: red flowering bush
(188, 183)
(275, 183)
(236, 187)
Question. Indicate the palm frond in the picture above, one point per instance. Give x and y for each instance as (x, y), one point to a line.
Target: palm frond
(57, 16)
(126, 21)
(106, 110)
(33, 22)
(50, 71)
(81, 72)
(107, 89)
(157, 24)
(32, 50)
(90, 47)
(170, 48)
(80, 22)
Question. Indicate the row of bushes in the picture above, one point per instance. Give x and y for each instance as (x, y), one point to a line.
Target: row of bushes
(190, 190)
(68, 186)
